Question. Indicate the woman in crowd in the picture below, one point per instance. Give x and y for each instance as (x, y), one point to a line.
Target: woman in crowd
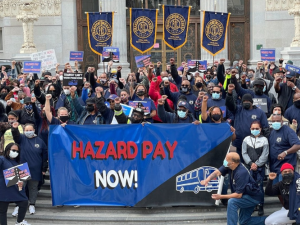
(255, 152)
(15, 193)
(199, 85)
(36, 155)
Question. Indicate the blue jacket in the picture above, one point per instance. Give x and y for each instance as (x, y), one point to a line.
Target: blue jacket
(294, 199)
(168, 117)
(220, 102)
(107, 113)
(293, 113)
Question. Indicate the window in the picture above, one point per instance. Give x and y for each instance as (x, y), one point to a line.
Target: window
(194, 174)
(89, 6)
(236, 8)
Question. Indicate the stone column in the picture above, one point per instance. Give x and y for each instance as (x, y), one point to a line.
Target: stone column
(221, 6)
(28, 17)
(296, 12)
(119, 31)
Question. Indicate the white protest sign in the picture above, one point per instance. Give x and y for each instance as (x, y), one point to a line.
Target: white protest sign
(47, 57)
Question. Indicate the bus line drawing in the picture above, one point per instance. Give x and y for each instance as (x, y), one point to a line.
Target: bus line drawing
(190, 181)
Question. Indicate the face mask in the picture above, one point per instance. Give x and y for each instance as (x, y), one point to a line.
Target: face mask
(199, 85)
(64, 118)
(188, 77)
(208, 77)
(297, 104)
(165, 79)
(255, 132)
(88, 90)
(53, 94)
(28, 107)
(246, 105)
(215, 96)
(124, 99)
(225, 163)
(13, 155)
(2, 96)
(250, 75)
(287, 178)
(90, 108)
(276, 125)
(264, 89)
(102, 81)
(140, 93)
(29, 134)
(181, 114)
(216, 117)
(184, 90)
(11, 122)
(22, 101)
(67, 92)
(61, 77)
(171, 79)
(258, 90)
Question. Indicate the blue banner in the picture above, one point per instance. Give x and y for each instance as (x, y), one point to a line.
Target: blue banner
(100, 30)
(135, 165)
(267, 54)
(176, 25)
(143, 27)
(32, 67)
(112, 53)
(292, 68)
(214, 31)
(76, 56)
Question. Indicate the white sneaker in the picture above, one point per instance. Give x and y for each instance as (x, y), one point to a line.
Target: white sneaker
(24, 222)
(32, 209)
(15, 212)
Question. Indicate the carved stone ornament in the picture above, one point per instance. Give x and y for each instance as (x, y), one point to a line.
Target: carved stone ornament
(279, 5)
(296, 12)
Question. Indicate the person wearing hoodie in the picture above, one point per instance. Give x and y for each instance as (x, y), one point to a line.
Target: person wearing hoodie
(107, 112)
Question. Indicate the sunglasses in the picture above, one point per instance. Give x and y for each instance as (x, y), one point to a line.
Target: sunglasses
(185, 86)
(216, 92)
(13, 150)
(183, 110)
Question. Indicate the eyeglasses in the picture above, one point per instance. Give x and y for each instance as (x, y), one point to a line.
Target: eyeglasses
(255, 128)
(184, 86)
(233, 72)
(14, 150)
(216, 92)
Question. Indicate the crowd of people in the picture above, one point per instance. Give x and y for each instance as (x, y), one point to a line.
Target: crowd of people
(261, 105)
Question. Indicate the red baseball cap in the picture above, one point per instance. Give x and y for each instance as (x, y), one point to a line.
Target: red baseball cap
(286, 166)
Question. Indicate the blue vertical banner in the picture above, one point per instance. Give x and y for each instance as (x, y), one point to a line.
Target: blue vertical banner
(214, 32)
(176, 23)
(143, 27)
(100, 30)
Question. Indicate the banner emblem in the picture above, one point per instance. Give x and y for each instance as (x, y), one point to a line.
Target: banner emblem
(175, 24)
(101, 31)
(143, 27)
(214, 30)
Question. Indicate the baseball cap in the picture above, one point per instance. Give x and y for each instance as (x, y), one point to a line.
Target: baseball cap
(290, 62)
(290, 74)
(278, 70)
(91, 101)
(112, 97)
(183, 104)
(27, 100)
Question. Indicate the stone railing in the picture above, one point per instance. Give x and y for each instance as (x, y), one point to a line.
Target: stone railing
(279, 5)
(12, 8)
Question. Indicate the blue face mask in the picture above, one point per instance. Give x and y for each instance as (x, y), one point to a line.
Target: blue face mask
(264, 89)
(225, 163)
(255, 132)
(88, 90)
(215, 95)
(276, 125)
(28, 107)
(22, 101)
(181, 114)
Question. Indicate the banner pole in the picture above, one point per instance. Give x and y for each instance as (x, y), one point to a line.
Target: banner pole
(217, 202)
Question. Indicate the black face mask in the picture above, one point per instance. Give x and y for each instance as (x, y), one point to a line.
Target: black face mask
(216, 117)
(64, 118)
(297, 104)
(2, 96)
(90, 108)
(208, 77)
(140, 93)
(246, 105)
(287, 178)
(53, 94)
(199, 85)
(258, 90)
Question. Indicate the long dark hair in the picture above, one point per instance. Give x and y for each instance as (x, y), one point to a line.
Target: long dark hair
(45, 124)
(7, 150)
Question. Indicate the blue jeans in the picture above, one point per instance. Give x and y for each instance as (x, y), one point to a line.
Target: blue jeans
(258, 176)
(277, 179)
(245, 205)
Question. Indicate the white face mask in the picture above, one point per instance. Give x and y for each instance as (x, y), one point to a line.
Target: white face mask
(13, 155)
(61, 77)
(189, 77)
(165, 79)
(67, 92)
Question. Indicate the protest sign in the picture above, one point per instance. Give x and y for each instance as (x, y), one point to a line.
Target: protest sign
(73, 79)
(48, 59)
(143, 61)
(111, 53)
(32, 67)
(292, 68)
(197, 65)
(15, 174)
(145, 105)
(136, 165)
(267, 54)
(76, 56)
(261, 103)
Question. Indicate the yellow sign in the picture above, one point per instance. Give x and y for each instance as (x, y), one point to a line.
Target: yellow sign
(143, 27)
(175, 24)
(214, 30)
(101, 31)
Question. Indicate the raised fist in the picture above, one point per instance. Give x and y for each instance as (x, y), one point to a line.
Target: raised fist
(154, 79)
(119, 68)
(57, 64)
(272, 176)
(243, 77)
(164, 97)
(37, 83)
(160, 101)
(186, 69)
(86, 85)
(231, 87)
(241, 62)
(205, 98)
(222, 61)
(13, 63)
(33, 99)
(294, 122)
(15, 125)
(151, 66)
(266, 62)
(278, 79)
(259, 64)
(9, 102)
(122, 80)
(48, 96)
(201, 94)
(158, 64)
(172, 61)
(76, 62)
(117, 100)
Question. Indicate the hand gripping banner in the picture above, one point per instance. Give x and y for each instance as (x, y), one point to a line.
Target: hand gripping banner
(143, 27)
(176, 25)
(100, 30)
(214, 32)
(135, 165)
